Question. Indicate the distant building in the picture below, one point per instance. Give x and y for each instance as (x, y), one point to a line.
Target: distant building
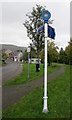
(9, 53)
(18, 56)
(34, 60)
(14, 55)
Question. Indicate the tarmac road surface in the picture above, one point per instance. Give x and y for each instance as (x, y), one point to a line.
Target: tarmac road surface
(11, 70)
(8, 72)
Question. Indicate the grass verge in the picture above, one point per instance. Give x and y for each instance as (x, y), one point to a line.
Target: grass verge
(31, 105)
(23, 77)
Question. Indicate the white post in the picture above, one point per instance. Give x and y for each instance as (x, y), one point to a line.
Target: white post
(28, 50)
(28, 65)
(45, 109)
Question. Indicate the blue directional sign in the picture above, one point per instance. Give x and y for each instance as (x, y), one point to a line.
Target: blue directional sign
(51, 31)
(40, 29)
(46, 16)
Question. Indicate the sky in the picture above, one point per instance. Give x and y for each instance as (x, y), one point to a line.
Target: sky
(13, 15)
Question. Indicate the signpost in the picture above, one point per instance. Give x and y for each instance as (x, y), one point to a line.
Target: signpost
(51, 31)
(40, 29)
(28, 50)
(45, 16)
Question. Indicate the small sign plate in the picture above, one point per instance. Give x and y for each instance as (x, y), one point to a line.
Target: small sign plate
(28, 49)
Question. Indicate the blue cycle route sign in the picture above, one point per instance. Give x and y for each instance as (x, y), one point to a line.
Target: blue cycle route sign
(46, 16)
(51, 31)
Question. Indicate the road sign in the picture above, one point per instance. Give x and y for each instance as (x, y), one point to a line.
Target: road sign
(46, 16)
(51, 31)
(28, 49)
(40, 29)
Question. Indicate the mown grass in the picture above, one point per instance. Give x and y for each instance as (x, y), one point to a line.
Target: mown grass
(23, 77)
(31, 105)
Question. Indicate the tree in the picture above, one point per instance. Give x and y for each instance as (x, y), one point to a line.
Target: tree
(62, 56)
(71, 51)
(68, 52)
(52, 53)
(32, 52)
(25, 56)
(4, 56)
(32, 23)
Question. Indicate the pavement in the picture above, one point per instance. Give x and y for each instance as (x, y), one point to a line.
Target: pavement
(12, 94)
(10, 71)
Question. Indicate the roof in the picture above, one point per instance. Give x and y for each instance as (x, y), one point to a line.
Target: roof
(8, 51)
(16, 53)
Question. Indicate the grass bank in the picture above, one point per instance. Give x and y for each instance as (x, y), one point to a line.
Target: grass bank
(23, 77)
(58, 101)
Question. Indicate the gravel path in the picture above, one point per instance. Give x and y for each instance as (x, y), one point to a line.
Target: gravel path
(12, 94)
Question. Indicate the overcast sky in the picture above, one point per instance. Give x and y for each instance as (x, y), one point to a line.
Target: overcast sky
(14, 14)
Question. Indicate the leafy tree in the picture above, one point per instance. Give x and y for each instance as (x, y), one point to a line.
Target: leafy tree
(25, 56)
(62, 56)
(4, 56)
(52, 53)
(32, 23)
(32, 52)
(71, 51)
(68, 52)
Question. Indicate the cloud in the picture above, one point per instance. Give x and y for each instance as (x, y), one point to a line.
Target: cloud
(62, 40)
(14, 14)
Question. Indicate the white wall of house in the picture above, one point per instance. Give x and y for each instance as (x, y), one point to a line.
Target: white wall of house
(15, 58)
(18, 57)
(34, 60)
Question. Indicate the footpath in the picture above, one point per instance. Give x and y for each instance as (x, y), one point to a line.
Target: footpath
(12, 94)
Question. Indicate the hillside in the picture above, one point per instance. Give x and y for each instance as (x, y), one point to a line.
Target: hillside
(11, 47)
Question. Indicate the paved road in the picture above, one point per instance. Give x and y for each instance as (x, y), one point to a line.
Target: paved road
(9, 71)
(13, 94)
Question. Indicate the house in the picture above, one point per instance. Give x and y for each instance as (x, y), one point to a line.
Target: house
(14, 55)
(18, 56)
(9, 53)
(34, 60)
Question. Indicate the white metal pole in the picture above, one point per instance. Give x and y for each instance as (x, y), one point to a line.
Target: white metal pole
(28, 64)
(45, 109)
